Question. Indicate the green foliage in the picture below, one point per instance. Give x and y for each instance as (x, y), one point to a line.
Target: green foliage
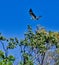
(34, 43)
(1, 55)
(6, 60)
(2, 37)
(4, 63)
(12, 43)
(11, 58)
(40, 40)
(27, 60)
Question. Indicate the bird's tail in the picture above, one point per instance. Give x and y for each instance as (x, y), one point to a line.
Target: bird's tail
(38, 17)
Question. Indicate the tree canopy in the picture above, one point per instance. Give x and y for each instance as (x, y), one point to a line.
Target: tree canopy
(33, 47)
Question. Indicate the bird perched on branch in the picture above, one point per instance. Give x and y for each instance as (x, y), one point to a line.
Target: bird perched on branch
(34, 17)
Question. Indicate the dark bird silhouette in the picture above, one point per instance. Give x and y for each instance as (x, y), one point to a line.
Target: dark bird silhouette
(34, 17)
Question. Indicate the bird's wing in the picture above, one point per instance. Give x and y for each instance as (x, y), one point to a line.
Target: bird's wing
(31, 13)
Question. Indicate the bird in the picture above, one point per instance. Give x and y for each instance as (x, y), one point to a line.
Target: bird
(34, 17)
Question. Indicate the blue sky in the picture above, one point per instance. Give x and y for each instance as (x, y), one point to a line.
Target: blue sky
(14, 15)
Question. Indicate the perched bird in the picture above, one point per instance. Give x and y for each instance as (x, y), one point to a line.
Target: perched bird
(34, 17)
